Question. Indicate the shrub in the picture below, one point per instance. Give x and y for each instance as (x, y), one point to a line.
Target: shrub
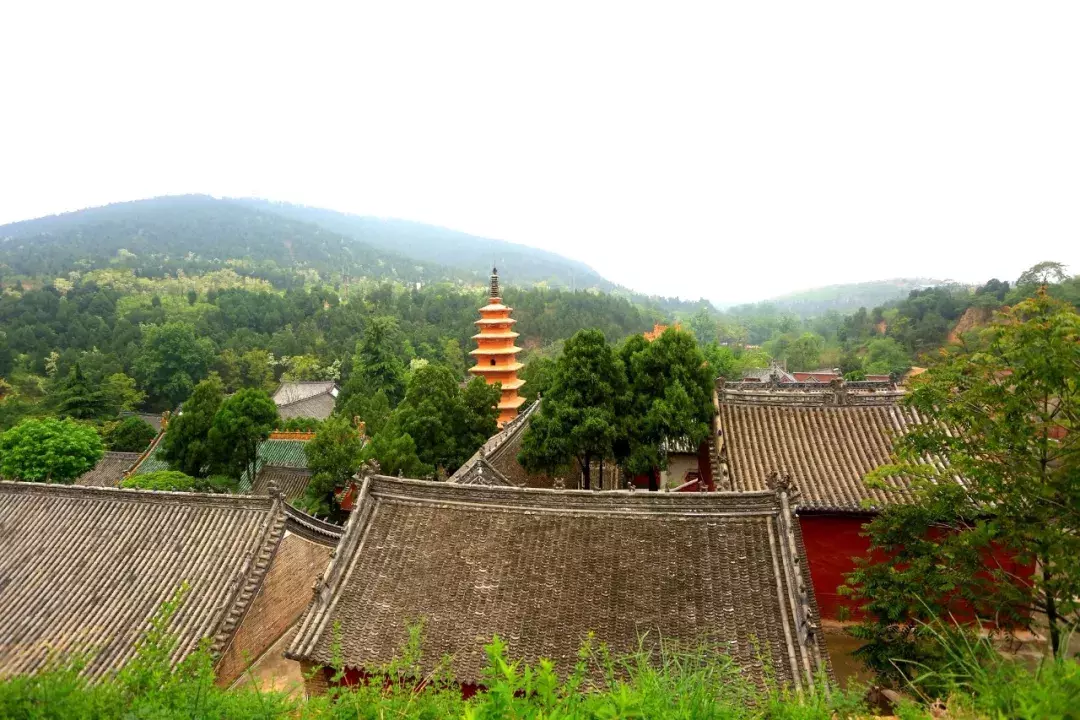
(132, 434)
(49, 450)
(178, 481)
(300, 424)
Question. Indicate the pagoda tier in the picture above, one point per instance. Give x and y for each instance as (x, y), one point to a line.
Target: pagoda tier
(496, 353)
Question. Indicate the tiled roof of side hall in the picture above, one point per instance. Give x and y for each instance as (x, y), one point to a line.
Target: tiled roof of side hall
(292, 482)
(109, 470)
(293, 391)
(477, 561)
(319, 407)
(84, 569)
(826, 449)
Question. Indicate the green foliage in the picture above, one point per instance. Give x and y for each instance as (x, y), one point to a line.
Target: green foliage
(172, 359)
(300, 424)
(447, 424)
(48, 450)
(669, 400)
(396, 453)
(333, 456)
(538, 374)
(377, 366)
(186, 445)
(251, 369)
(1006, 416)
(74, 398)
(132, 434)
(885, 356)
(243, 421)
(178, 481)
(121, 394)
(579, 418)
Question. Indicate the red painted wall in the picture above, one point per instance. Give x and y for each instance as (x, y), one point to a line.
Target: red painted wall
(831, 543)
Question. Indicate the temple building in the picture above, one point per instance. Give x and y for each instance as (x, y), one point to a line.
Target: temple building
(496, 354)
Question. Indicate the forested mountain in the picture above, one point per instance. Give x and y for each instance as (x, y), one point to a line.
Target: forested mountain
(843, 298)
(196, 233)
(468, 254)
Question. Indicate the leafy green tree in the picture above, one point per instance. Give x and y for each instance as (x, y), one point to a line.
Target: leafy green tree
(885, 356)
(1005, 418)
(579, 418)
(376, 366)
(186, 445)
(722, 361)
(396, 453)
(48, 450)
(1044, 273)
(447, 424)
(333, 457)
(669, 400)
(121, 394)
(537, 374)
(805, 352)
(703, 326)
(453, 357)
(242, 422)
(251, 369)
(171, 480)
(172, 359)
(132, 434)
(75, 398)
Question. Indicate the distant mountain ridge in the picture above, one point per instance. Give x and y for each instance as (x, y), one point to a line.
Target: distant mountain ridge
(846, 297)
(468, 254)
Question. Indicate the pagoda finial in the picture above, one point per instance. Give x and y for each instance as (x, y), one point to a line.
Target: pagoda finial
(495, 282)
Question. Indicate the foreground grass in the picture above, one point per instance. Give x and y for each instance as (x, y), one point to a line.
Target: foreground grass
(667, 683)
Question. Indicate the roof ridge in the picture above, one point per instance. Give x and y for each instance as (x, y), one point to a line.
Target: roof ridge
(576, 501)
(134, 494)
(250, 579)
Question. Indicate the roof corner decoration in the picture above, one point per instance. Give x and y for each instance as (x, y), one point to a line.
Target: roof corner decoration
(496, 353)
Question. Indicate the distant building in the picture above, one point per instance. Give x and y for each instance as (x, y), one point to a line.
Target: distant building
(496, 354)
(310, 399)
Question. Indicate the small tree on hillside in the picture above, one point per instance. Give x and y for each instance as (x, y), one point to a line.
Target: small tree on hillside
(242, 422)
(186, 446)
(48, 450)
(1006, 419)
(171, 360)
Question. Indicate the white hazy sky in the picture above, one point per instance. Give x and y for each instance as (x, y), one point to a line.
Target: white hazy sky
(727, 150)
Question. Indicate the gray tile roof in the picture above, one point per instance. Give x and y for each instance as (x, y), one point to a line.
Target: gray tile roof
(290, 481)
(109, 470)
(319, 407)
(537, 568)
(292, 391)
(84, 569)
(827, 450)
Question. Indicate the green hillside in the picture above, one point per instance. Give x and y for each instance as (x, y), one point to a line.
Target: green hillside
(468, 254)
(846, 297)
(196, 233)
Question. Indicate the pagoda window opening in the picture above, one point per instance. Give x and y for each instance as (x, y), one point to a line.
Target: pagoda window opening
(493, 361)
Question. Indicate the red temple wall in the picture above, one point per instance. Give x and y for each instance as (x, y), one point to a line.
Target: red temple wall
(831, 543)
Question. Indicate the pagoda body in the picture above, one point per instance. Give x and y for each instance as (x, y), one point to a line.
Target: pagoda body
(496, 353)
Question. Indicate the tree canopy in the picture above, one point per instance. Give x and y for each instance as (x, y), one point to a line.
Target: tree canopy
(1005, 416)
(48, 450)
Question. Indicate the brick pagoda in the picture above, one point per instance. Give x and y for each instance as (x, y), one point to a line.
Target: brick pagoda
(496, 354)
